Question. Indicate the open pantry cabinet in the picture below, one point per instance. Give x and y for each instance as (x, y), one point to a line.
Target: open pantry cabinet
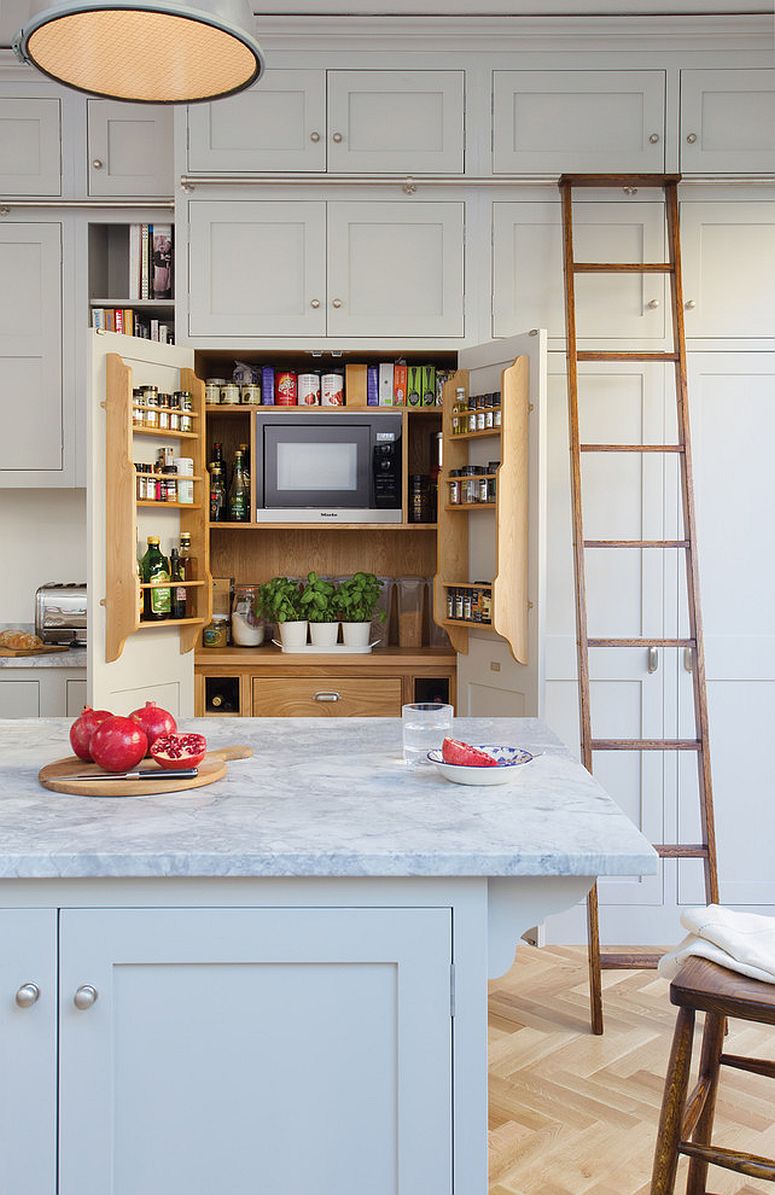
(130, 660)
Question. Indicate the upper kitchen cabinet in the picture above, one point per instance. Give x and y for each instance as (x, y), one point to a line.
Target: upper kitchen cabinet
(257, 268)
(728, 268)
(555, 122)
(30, 146)
(395, 269)
(727, 121)
(528, 269)
(395, 121)
(278, 124)
(130, 149)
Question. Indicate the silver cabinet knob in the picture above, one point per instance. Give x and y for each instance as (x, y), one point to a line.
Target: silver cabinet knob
(691, 138)
(653, 304)
(654, 138)
(337, 137)
(85, 996)
(27, 995)
(314, 137)
(690, 304)
(97, 164)
(334, 696)
(314, 302)
(337, 303)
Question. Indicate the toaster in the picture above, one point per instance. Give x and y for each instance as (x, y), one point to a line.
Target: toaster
(61, 613)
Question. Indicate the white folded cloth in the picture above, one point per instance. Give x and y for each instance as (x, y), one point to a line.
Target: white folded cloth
(743, 942)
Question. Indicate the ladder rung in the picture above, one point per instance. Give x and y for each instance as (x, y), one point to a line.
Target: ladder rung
(640, 643)
(630, 961)
(646, 745)
(680, 850)
(595, 355)
(630, 267)
(753, 1165)
(631, 447)
(637, 543)
(618, 180)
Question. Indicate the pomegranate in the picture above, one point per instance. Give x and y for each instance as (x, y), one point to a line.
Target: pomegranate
(179, 750)
(154, 721)
(118, 744)
(83, 728)
(464, 755)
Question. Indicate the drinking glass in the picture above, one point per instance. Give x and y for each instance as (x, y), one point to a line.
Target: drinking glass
(425, 726)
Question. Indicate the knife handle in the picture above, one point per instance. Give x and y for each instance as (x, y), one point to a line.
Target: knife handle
(237, 751)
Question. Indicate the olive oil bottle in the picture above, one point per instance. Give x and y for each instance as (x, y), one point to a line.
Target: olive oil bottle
(158, 601)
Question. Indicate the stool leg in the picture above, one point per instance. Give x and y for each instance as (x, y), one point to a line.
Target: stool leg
(673, 1102)
(712, 1045)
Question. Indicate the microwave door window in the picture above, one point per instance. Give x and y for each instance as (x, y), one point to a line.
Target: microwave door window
(324, 468)
(314, 467)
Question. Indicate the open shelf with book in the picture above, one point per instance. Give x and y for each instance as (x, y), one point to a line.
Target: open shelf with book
(131, 271)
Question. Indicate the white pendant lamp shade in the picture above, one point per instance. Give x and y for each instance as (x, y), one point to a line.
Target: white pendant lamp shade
(147, 51)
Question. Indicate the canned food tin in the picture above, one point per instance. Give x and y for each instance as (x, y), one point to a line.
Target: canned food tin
(309, 390)
(230, 394)
(213, 390)
(332, 390)
(250, 395)
(286, 388)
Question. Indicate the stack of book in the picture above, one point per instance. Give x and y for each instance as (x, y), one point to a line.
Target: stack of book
(133, 323)
(151, 261)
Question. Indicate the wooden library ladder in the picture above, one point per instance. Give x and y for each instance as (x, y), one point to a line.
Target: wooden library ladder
(706, 850)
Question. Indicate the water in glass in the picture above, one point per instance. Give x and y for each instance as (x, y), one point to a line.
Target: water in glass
(425, 726)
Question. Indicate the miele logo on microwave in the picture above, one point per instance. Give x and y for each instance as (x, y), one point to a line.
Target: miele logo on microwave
(330, 514)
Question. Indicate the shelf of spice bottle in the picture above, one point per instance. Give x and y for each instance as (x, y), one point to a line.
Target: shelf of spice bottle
(465, 622)
(162, 505)
(494, 431)
(138, 406)
(170, 622)
(469, 506)
(169, 584)
(179, 476)
(467, 585)
(162, 432)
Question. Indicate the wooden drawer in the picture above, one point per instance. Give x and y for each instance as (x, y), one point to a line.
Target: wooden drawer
(300, 697)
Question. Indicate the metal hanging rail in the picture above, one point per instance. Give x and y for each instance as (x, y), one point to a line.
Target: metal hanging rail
(409, 183)
(6, 205)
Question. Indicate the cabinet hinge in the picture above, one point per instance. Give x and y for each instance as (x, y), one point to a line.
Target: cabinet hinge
(452, 990)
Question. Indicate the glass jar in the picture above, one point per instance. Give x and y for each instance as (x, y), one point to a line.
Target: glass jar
(184, 403)
(459, 602)
(489, 414)
(164, 412)
(213, 390)
(470, 484)
(483, 487)
(216, 633)
(486, 605)
(454, 487)
(480, 416)
(137, 408)
(230, 394)
(247, 627)
(250, 395)
(450, 603)
(497, 412)
(471, 416)
(171, 483)
(151, 404)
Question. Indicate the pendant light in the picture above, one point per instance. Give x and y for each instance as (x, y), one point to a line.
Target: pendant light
(145, 51)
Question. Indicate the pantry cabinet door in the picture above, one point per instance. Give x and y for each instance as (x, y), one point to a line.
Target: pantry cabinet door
(31, 392)
(278, 124)
(130, 149)
(555, 122)
(30, 150)
(257, 268)
(395, 269)
(528, 269)
(728, 267)
(221, 1039)
(727, 120)
(19, 699)
(28, 1078)
(383, 121)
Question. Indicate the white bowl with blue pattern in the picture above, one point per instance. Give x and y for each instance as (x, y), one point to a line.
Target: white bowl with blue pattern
(508, 758)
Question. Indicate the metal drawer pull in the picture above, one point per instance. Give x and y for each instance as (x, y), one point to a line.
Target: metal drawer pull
(653, 660)
(328, 696)
(85, 996)
(27, 995)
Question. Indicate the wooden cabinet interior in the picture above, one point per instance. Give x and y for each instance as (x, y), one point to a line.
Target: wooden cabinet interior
(121, 583)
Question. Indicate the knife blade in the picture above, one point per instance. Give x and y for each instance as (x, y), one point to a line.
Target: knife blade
(146, 774)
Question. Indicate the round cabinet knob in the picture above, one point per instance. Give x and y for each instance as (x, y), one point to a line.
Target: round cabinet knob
(653, 304)
(27, 995)
(654, 138)
(314, 137)
(314, 302)
(690, 304)
(97, 164)
(337, 137)
(85, 996)
(691, 138)
(337, 303)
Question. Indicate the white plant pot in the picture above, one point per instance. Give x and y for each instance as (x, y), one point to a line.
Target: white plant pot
(356, 634)
(294, 634)
(324, 634)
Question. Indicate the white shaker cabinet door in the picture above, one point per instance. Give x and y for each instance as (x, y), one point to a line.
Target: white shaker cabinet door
(384, 121)
(395, 269)
(257, 268)
(130, 149)
(728, 120)
(528, 269)
(18, 699)
(30, 152)
(278, 124)
(28, 1077)
(728, 269)
(246, 1050)
(555, 122)
(31, 400)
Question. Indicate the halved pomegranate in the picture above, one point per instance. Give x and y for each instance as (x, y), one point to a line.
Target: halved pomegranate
(179, 750)
(83, 728)
(155, 721)
(464, 755)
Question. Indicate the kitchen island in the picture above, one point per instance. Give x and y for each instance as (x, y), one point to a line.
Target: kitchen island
(277, 983)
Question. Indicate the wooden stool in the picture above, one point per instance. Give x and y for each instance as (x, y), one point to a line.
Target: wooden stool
(685, 1125)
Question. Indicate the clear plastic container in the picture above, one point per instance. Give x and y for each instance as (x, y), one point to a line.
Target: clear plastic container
(411, 602)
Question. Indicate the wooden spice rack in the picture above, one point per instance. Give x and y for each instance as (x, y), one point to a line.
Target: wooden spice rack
(510, 577)
(122, 586)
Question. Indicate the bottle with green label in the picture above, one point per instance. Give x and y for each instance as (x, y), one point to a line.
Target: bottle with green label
(239, 495)
(158, 601)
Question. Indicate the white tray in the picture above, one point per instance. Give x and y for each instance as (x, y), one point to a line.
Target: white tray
(339, 649)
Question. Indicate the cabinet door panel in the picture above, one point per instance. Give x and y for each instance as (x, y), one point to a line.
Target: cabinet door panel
(395, 269)
(528, 269)
(220, 1039)
(395, 120)
(30, 348)
(729, 266)
(256, 268)
(279, 124)
(133, 145)
(30, 155)
(594, 121)
(727, 120)
(28, 1117)
(19, 699)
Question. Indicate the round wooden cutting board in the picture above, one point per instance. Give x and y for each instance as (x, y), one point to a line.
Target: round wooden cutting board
(56, 776)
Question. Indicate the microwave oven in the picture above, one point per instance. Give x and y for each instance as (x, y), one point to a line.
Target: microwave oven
(315, 467)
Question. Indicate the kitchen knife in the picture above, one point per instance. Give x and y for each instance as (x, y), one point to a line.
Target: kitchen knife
(146, 774)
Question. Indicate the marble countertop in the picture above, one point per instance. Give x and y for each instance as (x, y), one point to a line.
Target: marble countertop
(74, 658)
(320, 797)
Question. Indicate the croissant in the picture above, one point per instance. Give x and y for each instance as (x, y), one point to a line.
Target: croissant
(19, 640)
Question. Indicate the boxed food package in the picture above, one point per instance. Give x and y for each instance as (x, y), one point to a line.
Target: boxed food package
(267, 386)
(386, 384)
(399, 384)
(428, 388)
(372, 386)
(414, 385)
(355, 385)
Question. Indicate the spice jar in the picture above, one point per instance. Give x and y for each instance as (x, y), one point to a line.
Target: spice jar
(164, 412)
(213, 390)
(216, 633)
(450, 603)
(183, 401)
(470, 485)
(488, 411)
(250, 395)
(230, 394)
(151, 404)
(171, 483)
(497, 411)
(471, 416)
(483, 488)
(137, 408)
(454, 487)
(480, 417)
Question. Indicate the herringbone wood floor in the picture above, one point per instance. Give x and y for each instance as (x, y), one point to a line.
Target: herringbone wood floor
(573, 1114)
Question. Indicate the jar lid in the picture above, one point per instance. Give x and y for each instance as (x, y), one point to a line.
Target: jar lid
(219, 618)
(215, 381)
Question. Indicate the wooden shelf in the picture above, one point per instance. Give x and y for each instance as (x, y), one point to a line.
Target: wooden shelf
(465, 622)
(161, 433)
(469, 506)
(148, 502)
(180, 477)
(146, 624)
(319, 526)
(140, 304)
(240, 408)
(169, 584)
(463, 436)
(466, 585)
